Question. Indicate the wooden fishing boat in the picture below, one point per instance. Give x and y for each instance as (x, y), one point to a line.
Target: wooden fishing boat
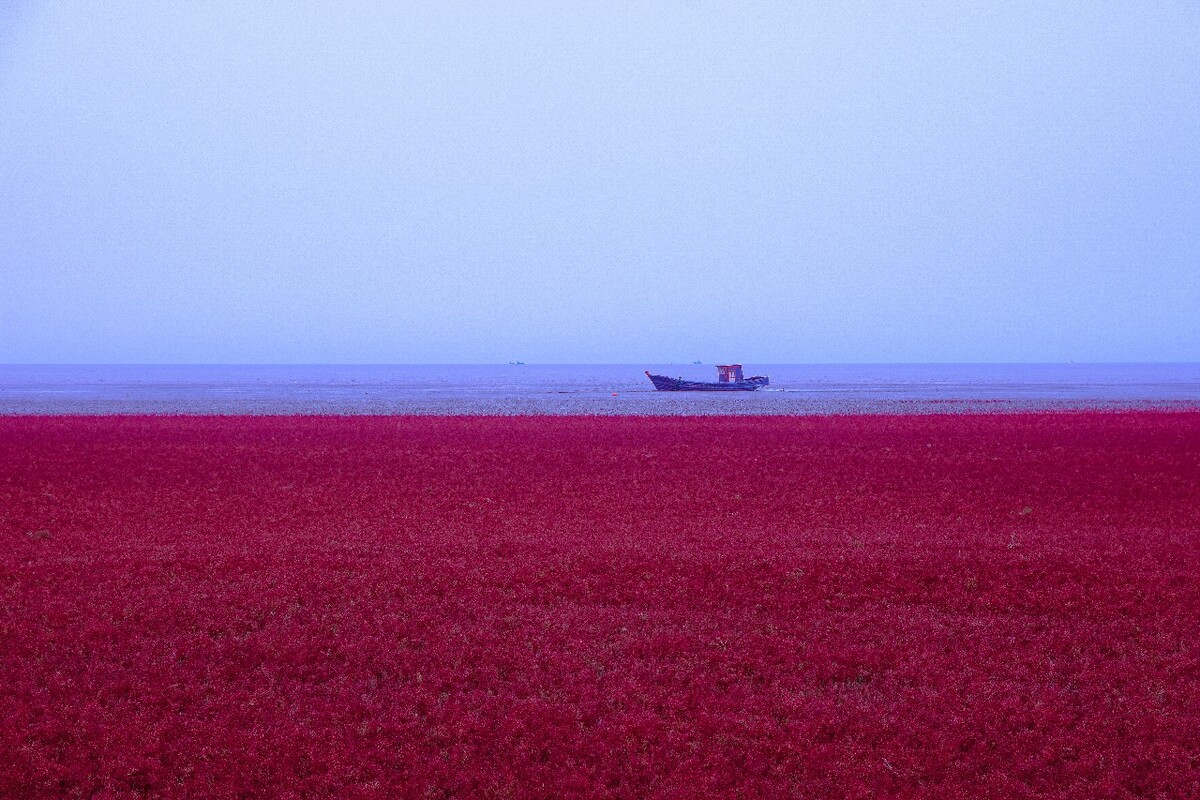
(729, 379)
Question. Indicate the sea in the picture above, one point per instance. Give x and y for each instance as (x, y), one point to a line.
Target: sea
(604, 389)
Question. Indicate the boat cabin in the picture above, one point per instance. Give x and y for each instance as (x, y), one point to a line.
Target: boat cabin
(729, 373)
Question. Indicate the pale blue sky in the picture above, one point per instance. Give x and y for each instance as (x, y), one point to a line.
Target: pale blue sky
(570, 182)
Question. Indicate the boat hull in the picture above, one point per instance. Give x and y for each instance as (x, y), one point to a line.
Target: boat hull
(664, 384)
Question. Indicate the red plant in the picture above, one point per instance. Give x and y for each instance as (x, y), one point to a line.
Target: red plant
(948, 606)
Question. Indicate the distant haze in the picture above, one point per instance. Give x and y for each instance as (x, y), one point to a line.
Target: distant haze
(572, 182)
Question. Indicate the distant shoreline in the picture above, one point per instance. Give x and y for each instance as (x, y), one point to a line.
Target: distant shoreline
(590, 389)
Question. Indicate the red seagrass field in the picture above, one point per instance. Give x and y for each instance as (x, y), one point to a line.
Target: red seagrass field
(862, 606)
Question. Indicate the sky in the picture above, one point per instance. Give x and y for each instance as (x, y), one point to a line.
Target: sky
(599, 182)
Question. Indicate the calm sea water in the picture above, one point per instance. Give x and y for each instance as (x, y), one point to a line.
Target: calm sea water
(588, 389)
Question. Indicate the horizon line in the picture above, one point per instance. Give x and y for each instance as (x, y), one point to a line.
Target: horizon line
(563, 363)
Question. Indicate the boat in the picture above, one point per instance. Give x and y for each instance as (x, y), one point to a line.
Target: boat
(729, 379)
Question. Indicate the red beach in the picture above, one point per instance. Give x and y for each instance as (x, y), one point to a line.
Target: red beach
(851, 606)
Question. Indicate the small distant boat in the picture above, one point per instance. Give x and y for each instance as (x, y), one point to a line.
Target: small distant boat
(729, 379)
(517, 363)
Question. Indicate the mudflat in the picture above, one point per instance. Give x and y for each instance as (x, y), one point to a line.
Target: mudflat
(854, 606)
